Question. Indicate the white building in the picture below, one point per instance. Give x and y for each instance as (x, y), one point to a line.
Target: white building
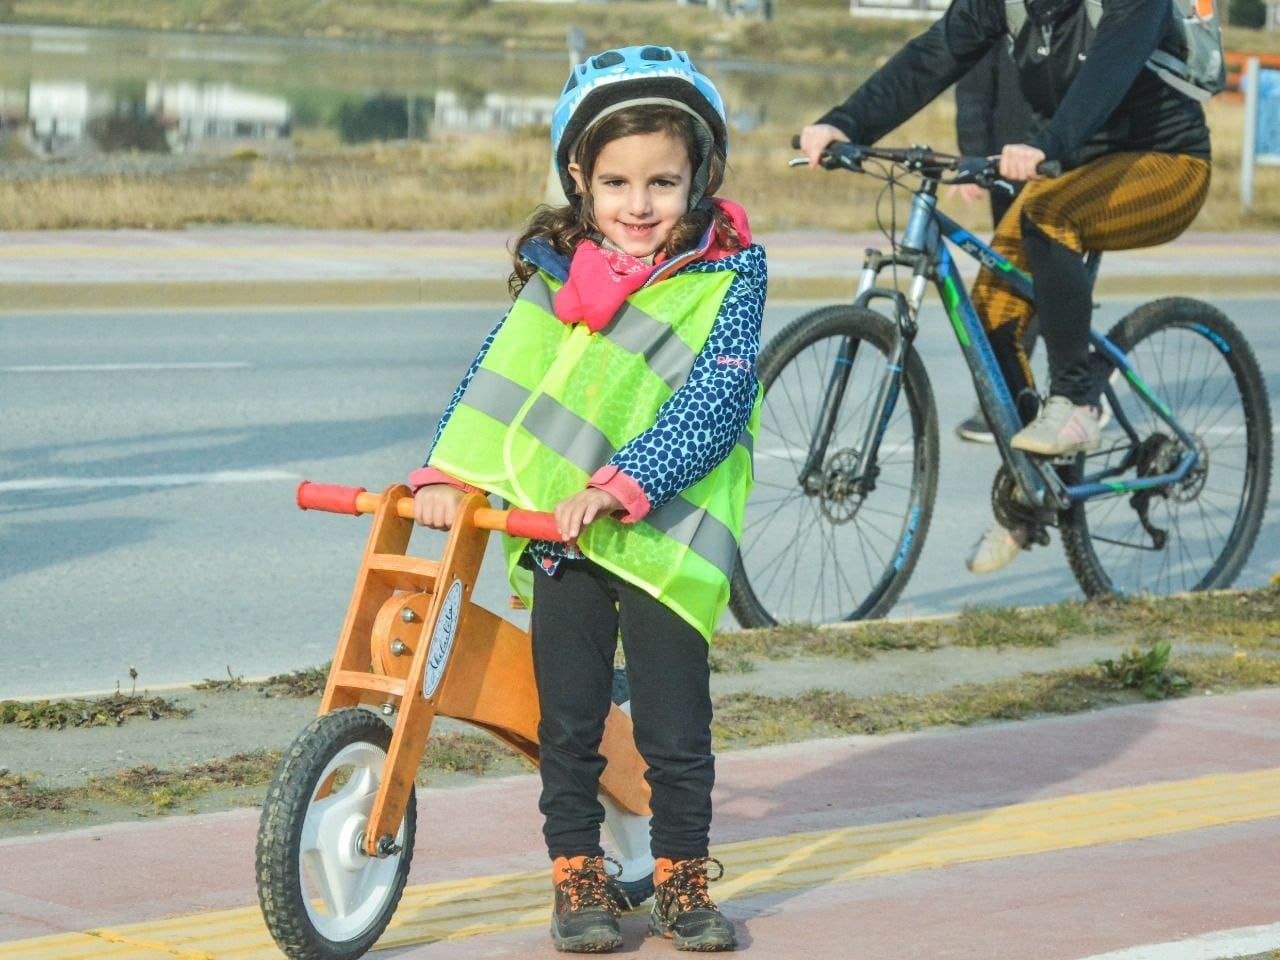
(497, 111)
(58, 114)
(217, 116)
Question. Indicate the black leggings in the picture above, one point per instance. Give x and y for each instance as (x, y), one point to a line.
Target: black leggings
(578, 614)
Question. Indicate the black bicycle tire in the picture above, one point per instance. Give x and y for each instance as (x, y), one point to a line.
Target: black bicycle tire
(881, 333)
(1128, 333)
(280, 892)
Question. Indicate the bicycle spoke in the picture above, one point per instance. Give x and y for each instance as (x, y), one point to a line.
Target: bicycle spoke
(1211, 516)
(822, 547)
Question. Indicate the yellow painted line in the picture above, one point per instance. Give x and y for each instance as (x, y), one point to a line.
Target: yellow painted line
(478, 905)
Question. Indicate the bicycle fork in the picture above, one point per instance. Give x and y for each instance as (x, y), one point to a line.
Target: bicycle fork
(860, 478)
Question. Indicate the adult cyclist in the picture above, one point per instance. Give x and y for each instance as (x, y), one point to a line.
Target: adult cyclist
(1135, 155)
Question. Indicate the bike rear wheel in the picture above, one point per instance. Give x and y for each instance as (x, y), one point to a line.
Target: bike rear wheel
(1194, 359)
(832, 546)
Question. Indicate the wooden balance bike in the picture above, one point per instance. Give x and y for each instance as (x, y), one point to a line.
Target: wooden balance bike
(339, 821)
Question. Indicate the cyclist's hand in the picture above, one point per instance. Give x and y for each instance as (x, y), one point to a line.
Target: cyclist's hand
(1019, 161)
(968, 192)
(814, 139)
(436, 504)
(582, 509)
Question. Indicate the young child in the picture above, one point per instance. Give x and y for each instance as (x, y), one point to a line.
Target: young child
(620, 392)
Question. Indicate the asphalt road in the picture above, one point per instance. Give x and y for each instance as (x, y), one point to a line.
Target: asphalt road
(148, 462)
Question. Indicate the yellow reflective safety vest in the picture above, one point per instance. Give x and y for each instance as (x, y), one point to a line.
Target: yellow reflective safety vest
(551, 403)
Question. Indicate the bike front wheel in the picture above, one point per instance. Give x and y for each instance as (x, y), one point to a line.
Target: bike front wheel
(1195, 534)
(322, 896)
(830, 534)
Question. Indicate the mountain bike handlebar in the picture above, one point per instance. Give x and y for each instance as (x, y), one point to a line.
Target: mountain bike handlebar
(334, 498)
(984, 171)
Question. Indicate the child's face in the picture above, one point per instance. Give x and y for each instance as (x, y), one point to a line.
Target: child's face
(639, 190)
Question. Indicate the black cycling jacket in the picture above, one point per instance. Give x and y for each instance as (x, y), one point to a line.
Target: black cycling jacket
(990, 108)
(1090, 91)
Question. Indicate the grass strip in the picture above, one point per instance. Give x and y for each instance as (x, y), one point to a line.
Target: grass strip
(741, 720)
(21, 796)
(307, 682)
(109, 711)
(1248, 620)
(151, 790)
(752, 719)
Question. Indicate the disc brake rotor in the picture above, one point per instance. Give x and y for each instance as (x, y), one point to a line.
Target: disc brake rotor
(841, 495)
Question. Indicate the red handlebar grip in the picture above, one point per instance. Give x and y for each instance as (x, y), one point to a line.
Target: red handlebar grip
(328, 496)
(534, 525)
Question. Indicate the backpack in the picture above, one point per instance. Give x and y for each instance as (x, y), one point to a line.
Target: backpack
(1199, 73)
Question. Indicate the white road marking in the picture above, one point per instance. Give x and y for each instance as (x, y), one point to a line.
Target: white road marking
(153, 480)
(1243, 941)
(123, 367)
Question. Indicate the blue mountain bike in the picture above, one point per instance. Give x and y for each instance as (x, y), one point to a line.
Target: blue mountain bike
(847, 456)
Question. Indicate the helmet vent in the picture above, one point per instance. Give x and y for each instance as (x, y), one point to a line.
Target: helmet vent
(655, 53)
(610, 58)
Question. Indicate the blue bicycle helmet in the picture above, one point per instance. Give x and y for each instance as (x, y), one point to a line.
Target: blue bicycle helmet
(627, 76)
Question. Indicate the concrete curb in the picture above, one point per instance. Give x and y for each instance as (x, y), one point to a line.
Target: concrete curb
(406, 292)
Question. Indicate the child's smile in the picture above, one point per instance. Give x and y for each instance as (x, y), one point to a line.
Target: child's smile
(639, 190)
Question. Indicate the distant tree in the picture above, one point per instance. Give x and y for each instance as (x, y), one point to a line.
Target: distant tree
(129, 130)
(1247, 13)
(377, 118)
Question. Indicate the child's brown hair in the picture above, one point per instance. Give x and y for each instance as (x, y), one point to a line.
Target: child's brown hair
(566, 226)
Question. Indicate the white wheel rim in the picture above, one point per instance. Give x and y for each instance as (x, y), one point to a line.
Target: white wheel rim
(343, 888)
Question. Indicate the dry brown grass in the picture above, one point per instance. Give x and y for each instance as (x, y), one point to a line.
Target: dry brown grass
(493, 181)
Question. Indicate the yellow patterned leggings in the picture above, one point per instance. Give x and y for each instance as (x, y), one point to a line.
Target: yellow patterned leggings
(1118, 202)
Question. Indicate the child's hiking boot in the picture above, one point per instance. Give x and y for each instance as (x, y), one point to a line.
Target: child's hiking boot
(683, 912)
(1062, 428)
(585, 916)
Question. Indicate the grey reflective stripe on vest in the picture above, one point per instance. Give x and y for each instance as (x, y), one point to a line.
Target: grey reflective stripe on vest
(666, 354)
(634, 331)
(563, 432)
(494, 395)
(558, 428)
(555, 425)
(706, 536)
(538, 293)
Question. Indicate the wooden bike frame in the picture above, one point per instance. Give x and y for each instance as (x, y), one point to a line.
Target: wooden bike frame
(414, 644)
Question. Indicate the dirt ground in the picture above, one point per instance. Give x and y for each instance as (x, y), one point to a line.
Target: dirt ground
(228, 722)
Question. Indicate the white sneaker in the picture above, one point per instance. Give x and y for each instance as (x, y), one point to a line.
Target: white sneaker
(1061, 428)
(998, 548)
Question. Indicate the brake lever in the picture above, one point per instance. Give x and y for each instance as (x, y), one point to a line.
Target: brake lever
(829, 161)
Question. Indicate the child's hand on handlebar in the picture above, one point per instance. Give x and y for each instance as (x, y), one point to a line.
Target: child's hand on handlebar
(436, 504)
(816, 137)
(582, 509)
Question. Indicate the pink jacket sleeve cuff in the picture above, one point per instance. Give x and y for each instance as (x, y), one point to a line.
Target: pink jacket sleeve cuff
(425, 475)
(612, 480)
